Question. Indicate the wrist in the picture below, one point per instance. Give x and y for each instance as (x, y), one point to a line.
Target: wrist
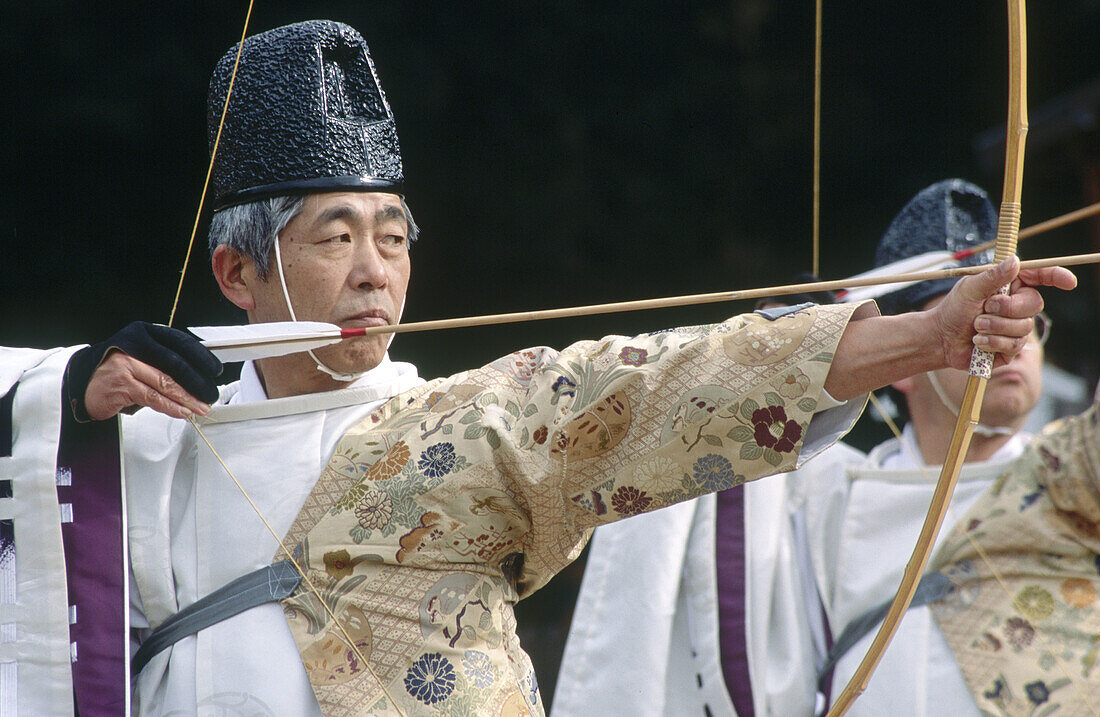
(933, 331)
(75, 382)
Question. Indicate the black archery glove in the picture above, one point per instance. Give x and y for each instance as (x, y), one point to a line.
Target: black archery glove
(178, 354)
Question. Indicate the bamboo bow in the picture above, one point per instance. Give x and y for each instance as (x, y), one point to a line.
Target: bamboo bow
(981, 364)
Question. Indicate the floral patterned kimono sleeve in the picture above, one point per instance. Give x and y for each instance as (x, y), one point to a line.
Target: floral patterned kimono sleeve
(442, 508)
(621, 426)
(1023, 621)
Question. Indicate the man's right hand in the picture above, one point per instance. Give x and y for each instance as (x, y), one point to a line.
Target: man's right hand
(142, 365)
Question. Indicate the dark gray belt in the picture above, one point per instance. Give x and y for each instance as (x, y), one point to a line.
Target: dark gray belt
(932, 587)
(269, 584)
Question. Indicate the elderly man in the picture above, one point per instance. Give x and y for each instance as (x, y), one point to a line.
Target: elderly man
(419, 512)
(731, 619)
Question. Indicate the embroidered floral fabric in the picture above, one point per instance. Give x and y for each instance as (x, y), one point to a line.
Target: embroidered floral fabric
(451, 502)
(1031, 649)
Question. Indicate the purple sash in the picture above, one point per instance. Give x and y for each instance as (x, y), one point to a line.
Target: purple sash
(89, 489)
(729, 535)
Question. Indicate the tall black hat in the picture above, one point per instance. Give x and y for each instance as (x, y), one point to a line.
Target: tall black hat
(307, 114)
(949, 215)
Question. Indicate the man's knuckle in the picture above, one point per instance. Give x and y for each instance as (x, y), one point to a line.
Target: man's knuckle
(114, 397)
(151, 397)
(116, 358)
(120, 397)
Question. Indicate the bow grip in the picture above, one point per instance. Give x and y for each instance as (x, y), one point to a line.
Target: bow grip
(1008, 229)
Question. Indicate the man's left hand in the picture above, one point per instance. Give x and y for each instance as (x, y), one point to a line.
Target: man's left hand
(974, 314)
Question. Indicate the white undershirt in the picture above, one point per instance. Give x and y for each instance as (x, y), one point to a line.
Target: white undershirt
(251, 389)
(918, 676)
(906, 455)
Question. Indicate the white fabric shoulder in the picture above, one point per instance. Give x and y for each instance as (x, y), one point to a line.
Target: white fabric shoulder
(625, 634)
(245, 400)
(35, 676)
(15, 361)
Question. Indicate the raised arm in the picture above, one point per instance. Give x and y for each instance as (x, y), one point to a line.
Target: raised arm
(876, 351)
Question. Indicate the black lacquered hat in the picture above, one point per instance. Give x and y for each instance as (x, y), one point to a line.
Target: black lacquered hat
(950, 215)
(307, 114)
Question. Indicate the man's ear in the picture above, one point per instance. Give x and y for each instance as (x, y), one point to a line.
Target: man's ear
(232, 270)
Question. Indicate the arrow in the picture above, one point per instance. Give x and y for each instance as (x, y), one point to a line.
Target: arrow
(277, 338)
(929, 261)
(255, 341)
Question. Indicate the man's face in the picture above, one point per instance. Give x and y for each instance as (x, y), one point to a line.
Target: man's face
(1012, 390)
(346, 261)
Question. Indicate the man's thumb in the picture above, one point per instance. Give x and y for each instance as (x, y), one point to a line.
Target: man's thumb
(989, 282)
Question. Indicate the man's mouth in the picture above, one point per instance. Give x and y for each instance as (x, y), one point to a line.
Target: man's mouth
(371, 317)
(1006, 374)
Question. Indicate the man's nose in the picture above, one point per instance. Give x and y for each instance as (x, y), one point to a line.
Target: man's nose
(369, 270)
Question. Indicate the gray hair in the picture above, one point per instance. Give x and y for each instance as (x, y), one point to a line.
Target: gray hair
(252, 228)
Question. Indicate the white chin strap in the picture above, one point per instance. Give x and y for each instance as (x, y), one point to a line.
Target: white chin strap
(981, 429)
(348, 377)
(396, 320)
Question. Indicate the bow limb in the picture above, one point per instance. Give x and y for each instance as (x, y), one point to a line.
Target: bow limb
(981, 364)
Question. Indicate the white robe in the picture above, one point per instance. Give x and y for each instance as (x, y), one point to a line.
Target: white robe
(862, 525)
(192, 531)
(807, 531)
(35, 673)
(644, 637)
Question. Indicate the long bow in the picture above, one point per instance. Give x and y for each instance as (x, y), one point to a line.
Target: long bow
(981, 363)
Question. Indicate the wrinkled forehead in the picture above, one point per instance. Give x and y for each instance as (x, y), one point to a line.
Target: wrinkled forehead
(357, 208)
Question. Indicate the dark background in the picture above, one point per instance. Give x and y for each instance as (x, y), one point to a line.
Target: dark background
(557, 154)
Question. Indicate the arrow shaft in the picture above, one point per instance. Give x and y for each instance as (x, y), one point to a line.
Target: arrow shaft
(254, 347)
(692, 299)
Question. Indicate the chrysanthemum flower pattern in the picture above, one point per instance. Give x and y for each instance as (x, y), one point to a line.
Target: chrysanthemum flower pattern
(374, 510)
(431, 679)
(628, 500)
(437, 460)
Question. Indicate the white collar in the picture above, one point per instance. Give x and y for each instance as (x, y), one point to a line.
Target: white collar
(247, 400)
(251, 390)
(904, 454)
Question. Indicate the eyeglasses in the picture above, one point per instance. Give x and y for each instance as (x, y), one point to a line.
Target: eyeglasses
(1042, 327)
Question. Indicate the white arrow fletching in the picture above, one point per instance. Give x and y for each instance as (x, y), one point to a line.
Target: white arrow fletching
(930, 261)
(255, 341)
(270, 330)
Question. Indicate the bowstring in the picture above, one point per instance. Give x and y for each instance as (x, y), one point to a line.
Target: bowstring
(817, 140)
(210, 167)
(297, 566)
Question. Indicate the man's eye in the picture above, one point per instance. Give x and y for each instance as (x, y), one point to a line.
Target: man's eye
(340, 238)
(393, 240)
